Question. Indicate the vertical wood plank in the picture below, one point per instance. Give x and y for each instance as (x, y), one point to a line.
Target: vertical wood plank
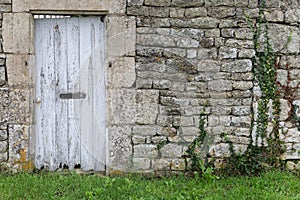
(98, 123)
(86, 86)
(73, 86)
(48, 118)
(39, 149)
(61, 108)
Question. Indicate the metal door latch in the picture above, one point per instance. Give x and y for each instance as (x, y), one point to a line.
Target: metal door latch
(78, 95)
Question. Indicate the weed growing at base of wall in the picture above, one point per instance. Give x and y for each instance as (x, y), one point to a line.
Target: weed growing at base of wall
(265, 148)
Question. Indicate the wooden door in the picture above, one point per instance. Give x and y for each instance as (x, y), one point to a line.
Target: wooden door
(70, 91)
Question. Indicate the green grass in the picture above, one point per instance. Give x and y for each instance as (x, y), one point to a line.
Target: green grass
(271, 185)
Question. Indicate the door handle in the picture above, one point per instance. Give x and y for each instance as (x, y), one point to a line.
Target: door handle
(77, 95)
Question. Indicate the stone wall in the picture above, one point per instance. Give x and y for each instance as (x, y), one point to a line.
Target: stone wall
(167, 61)
(195, 55)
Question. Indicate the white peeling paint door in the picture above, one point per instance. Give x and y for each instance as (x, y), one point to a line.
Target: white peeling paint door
(70, 92)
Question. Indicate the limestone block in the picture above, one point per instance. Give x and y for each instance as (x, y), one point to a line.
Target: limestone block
(191, 53)
(275, 16)
(292, 16)
(208, 66)
(121, 36)
(18, 33)
(122, 73)
(221, 12)
(241, 121)
(241, 110)
(187, 121)
(164, 120)
(161, 164)
(219, 150)
(145, 151)
(207, 42)
(290, 165)
(155, 40)
(187, 43)
(205, 53)
(158, 139)
(242, 132)
(293, 136)
(237, 66)
(240, 3)
(18, 109)
(213, 120)
(177, 12)
(3, 158)
(120, 147)
(189, 131)
(215, 32)
(171, 151)
(19, 69)
(273, 4)
(161, 84)
(189, 3)
(144, 130)
(295, 74)
(18, 143)
(253, 3)
(3, 146)
(122, 106)
(248, 76)
(141, 163)
(115, 7)
(192, 110)
(219, 2)
(159, 12)
(195, 12)
(147, 106)
(279, 36)
(238, 139)
(169, 101)
(285, 109)
(2, 76)
(168, 131)
(5, 8)
(228, 32)
(227, 52)
(220, 85)
(241, 44)
(228, 23)
(294, 153)
(196, 34)
(242, 85)
(139, 139)
(135, 2)
(178, 164)
(5, 1)
(246, 53)
(221, 110)
(157, 2)
(225, 120)
(244, 33)
(153, 22)
(144, 83)
(198, 23)
(3, 135)
(297, 111)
